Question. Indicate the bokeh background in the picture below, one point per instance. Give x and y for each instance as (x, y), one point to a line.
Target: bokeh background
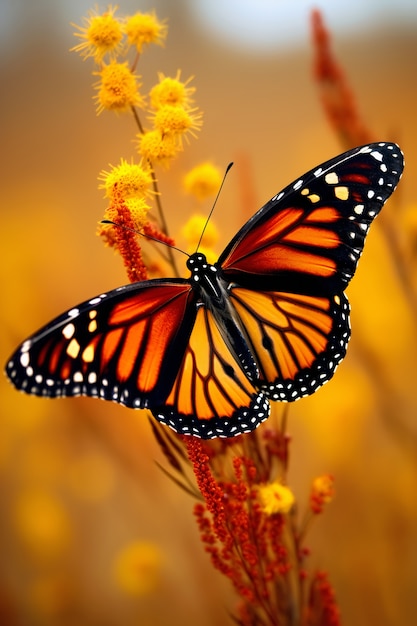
(91, 532)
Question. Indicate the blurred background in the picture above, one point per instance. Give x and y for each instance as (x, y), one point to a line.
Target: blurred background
(91, 532)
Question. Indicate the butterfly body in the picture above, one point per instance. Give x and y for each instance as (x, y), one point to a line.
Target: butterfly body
(268, 321)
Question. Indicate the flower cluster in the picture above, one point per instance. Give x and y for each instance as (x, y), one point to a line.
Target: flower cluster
(130, 187)
(249, 524)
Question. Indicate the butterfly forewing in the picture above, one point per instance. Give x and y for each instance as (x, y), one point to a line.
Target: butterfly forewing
(125, 345)
(308, 238)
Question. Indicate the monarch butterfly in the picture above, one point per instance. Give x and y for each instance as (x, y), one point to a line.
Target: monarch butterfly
(268, 321)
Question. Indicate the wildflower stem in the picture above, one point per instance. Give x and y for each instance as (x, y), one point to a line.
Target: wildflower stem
(162, 219)
(137, 120)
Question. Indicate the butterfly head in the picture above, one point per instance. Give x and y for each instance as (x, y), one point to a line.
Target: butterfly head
(199, 266)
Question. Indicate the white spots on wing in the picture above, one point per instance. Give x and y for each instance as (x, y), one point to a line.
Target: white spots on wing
(318, 172)
(78, 377)
(92, 378)
(331, 178)
(377, 155)
(74, 312)
(371, 194)
(24, 359)
(68, 330)
(97, 300)
(358, 209)
(298, 184)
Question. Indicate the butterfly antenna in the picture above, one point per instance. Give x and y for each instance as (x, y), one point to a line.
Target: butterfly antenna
(138, 232)
(228, 168)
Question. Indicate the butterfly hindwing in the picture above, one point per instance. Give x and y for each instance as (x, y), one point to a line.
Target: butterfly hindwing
(297, 340)
(212, 396)
(308, 238)
(125, 346)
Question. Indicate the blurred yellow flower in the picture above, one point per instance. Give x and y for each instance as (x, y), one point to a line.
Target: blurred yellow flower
(192, 229)
(203, 180)
(275, 498)
(42, 523)
(118, 88)
(138, 568)
(322, 492)
(173, 120)
(171, 91)
(101, 34)
(158, 149)
(145, 28)
(127, 180)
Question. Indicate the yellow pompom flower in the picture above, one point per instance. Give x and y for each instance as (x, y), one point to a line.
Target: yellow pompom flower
(172, 120)
(275, 498)
(127, 180)
(157, 148)
(192, 229)
(139, 210)
(138, 568)
(171, 91)
(100, 35)
(145, 28)
(203, 180)
(118, 88)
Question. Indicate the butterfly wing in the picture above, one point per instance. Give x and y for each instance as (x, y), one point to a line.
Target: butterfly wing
(145, 345)
(212, 396)
(308, 238)
(289, 264)
(297, 340)
(125, 345)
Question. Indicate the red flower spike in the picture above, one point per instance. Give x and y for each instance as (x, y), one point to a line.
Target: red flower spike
(124, 238)
(336, 95)
(322, 608)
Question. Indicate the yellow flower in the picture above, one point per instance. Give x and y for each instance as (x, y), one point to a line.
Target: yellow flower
(118, 88)
(138, 567)
(139, 210)
(203, 180)
(275, 498)
(322, 492)
(101, 34)
(158, 149)
(192, 229)
(42, 523)
(171, 91)
(127, 180)
(144, 28)
(173, 120)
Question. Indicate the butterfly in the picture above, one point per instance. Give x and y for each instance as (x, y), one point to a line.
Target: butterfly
(268, 321)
